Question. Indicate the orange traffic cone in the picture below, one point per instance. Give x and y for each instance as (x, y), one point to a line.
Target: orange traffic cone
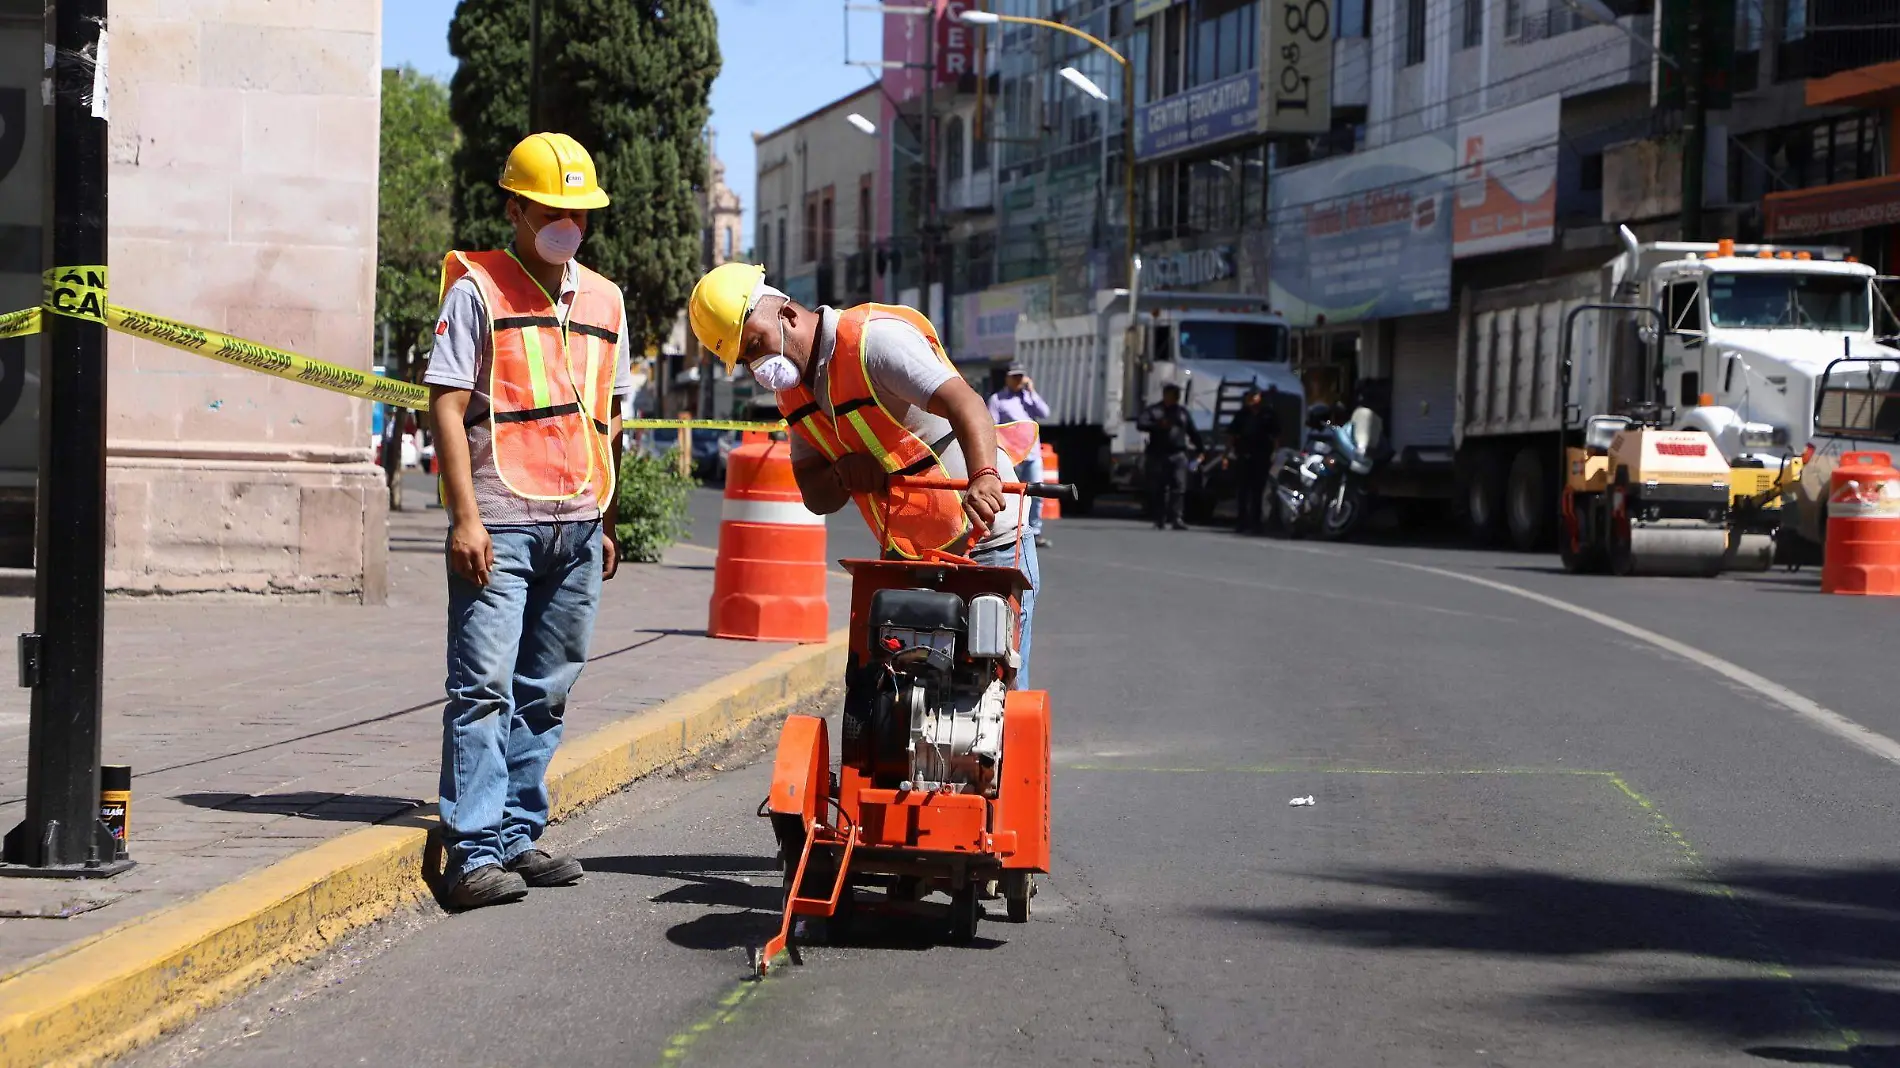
(1051, 509)
(769, 581)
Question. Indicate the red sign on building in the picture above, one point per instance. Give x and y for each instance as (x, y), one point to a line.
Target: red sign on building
(956, 42)
(1833, 209)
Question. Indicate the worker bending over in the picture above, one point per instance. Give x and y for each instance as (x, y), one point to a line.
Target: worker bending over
(869, 395)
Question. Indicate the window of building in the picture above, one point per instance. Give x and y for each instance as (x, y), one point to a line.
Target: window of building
(1590, 173)
(1414, 32)
(783, 264)
(1845, 149)
(811, 229)
(980, 143)
(952, 138)
(1474, 24)
(865, 222)
(765, 245)
(1513, 19)
(827, 223)
(1353, 17)
(1225, 40)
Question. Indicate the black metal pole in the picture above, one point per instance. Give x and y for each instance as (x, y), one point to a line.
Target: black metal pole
(63, 660)
(930, 164)
(534, 66)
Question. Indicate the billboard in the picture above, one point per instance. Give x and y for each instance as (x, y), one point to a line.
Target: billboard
(1203, 115)
(1364, 236)
(1296, 59)
(22, 142)
(1507, 179)
(986, 320)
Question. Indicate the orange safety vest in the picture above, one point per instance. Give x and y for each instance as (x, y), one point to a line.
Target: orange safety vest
(550, 385)
(912, 522)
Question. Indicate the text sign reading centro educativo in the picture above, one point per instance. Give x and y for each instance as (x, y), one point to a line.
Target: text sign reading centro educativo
(1288, 91)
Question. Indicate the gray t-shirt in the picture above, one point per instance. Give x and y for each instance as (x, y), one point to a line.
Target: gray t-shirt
(905, 373)
(463, 358)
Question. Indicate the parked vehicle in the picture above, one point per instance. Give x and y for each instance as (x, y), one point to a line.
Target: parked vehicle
(1098, 371)
(1322, 488)
(1856, 409)
(1748, 330)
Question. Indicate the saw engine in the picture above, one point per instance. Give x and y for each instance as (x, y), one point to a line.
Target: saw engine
(926, 712)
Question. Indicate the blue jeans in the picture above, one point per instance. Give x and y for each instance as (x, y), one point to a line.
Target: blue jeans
(1005, 556)
(1030, 471)
(515, 648)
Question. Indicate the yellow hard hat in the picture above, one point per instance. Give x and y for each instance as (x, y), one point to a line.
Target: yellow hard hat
(719, 305)
(553, 169)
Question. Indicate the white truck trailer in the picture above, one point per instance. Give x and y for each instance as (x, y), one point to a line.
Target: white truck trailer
(1098, 371)
(1750, 329)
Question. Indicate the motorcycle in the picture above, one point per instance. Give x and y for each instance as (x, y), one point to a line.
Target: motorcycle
(1322, 488)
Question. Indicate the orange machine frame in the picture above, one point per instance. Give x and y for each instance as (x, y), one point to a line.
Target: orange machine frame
(950, 839)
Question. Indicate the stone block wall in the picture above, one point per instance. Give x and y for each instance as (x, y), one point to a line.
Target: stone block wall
(243, 183)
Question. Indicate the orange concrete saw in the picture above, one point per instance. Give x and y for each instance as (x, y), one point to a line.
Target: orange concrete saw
(942, 783)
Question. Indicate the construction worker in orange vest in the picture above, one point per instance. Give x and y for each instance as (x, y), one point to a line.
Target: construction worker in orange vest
(869, 395)
(528, 373)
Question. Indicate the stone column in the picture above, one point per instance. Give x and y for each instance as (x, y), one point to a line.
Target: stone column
(244, 184)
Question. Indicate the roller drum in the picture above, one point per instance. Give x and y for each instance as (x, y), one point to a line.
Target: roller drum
(1658, 550)
(1750, 552)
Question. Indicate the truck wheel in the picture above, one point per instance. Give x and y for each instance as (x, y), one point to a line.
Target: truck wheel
(1527, 507)
(1483, 493)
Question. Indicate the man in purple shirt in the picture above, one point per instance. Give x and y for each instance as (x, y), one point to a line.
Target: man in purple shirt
(1018, 402)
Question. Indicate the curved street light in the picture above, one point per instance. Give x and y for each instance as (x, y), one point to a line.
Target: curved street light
(1084, 83)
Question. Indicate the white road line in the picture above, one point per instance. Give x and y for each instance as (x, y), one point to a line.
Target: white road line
(1815, 713)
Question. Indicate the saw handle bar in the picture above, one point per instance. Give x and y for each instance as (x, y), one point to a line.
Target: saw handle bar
(1055, 491)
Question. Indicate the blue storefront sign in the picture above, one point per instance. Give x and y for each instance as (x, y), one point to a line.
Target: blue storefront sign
(1364, 236)
(1200, 116)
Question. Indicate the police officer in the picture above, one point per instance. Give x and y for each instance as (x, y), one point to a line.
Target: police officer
(1171, 434)
(1254, 435)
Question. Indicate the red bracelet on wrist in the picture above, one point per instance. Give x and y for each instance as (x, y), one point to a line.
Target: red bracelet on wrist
(981, 471)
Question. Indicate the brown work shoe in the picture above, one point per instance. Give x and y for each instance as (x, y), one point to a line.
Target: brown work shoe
(541, 868)
(490, 884)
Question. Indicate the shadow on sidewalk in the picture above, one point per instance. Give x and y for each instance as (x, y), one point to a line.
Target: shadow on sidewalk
(310, 805)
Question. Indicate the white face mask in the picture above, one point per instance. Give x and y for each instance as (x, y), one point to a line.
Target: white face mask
(558, 241)
(777, 372)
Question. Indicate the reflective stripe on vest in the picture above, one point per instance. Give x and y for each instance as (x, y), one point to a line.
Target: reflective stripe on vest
(550, 385)
(911, 522)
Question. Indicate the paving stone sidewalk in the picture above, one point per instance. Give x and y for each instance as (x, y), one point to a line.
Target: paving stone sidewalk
(257, 730)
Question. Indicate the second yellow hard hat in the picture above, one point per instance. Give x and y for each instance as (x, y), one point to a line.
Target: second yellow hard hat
(553, 169)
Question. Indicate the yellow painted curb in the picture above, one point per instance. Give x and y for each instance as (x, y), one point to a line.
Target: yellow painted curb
(105, 995)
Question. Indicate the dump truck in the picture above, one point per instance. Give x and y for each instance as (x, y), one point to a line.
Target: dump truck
(1739, 338)
(1099, 370)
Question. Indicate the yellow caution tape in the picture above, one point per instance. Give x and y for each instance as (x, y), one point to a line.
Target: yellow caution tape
(75, 292)
(702, 424)
(80, 293)
(19, 323)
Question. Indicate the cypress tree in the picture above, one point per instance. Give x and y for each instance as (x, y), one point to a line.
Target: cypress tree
(629, 79)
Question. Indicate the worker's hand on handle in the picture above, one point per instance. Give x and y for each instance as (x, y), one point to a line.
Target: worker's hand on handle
(857, 472)
(984, 499)
(471, 553)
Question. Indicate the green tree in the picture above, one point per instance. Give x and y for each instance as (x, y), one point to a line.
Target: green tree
(628, 79)
(412, 223)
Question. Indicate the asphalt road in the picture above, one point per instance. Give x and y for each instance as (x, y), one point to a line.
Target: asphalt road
(1557, 821)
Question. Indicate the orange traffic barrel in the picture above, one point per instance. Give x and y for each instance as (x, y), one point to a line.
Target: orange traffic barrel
(1050, 508)
(1863, 527)
(769, 581)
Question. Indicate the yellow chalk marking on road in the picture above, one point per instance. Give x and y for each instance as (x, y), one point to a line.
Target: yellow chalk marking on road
(728, 1008)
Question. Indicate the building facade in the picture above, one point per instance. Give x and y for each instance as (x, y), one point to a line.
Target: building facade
(816, 198)
(243, 198)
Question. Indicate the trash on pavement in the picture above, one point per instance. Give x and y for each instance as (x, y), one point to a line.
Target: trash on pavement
(1301, 801)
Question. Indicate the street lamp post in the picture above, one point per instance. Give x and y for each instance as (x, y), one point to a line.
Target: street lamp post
(991, 18)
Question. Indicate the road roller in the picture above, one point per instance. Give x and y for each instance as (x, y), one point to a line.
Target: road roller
(1639, 499)
(941, 785)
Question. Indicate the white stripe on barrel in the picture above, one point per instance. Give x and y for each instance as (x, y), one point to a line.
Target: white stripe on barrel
(775, 513)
